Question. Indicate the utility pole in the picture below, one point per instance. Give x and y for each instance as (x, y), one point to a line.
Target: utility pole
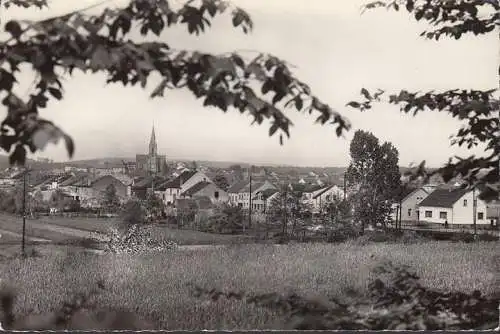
(285, 211)
(474, 210)
(26, 170)
(345, 186)
(250, 201)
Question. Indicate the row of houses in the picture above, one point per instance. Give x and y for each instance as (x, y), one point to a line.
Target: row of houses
(447, 204)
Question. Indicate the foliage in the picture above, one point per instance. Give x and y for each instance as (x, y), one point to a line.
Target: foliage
(155, 207)
(374, 170)
(478, 109)
(132, 214)
(399, 303)
(99, 44)
(111, 202)
(63, 202)
(221, 181)
(135, 240)
(226, 219)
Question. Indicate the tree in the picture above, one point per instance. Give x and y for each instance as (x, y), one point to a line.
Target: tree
(221, 181)
(478, 108)
(374, 170)
(99, 44)
(111, 202)
(155, 207)
(133, 213)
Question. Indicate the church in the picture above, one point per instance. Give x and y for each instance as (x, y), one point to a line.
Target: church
(151, 163)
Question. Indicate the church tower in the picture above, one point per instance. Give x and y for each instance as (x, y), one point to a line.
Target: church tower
(153, 153)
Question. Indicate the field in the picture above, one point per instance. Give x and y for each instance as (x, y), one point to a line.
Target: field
(63, 230)
(155, 285)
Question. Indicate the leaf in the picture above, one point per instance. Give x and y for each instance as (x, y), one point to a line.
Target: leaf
(273, 129)
(55, 93)
(298, 103)
(354, 104)
(18, 157)
(366, 94)
(6, 142)
(70, 145)
(13, 28)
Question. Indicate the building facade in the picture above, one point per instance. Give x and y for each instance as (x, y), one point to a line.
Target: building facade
(151, 163)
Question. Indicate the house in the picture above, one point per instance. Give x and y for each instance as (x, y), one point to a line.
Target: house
(262, 199)
(407, 208)
(325, 196)
(234, 192)
(493, 212)
(208, 190)
(309, 192)
(454, 205)
(173, 189)
(254, 188)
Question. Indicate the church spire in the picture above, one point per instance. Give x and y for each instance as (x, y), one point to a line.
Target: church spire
(153, 149)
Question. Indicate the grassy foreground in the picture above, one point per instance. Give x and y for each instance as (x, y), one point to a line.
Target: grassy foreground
(155, 285)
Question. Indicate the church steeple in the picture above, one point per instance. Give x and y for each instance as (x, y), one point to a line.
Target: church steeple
(153, 149)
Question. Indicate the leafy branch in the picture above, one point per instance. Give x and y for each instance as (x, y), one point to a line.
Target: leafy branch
(97, 43)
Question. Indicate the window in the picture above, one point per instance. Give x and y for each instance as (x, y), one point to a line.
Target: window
(216, 195)
(443, 215)
(465, 202)
(428, 214)
(409, 212)
(480, 215)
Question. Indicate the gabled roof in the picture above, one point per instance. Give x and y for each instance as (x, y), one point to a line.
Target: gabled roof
(312, 188)
(267, 193)
(255, 186)
(443, 198)
(195, 188)
(407, 192)
(323, 191)
(235, 188)
(176, 183)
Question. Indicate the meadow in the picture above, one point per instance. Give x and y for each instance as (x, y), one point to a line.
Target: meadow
(154, 285)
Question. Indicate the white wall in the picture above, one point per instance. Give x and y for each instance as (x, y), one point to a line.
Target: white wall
(464, 215)
(411, 202)
(171, 194)
(435, 215)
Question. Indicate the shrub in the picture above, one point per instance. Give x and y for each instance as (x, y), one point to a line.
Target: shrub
(136, 239)
(396, 301)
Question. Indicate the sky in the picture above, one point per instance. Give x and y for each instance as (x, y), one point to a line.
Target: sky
(333, 48)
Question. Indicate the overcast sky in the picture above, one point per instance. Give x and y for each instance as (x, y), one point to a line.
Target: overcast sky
(335, 50)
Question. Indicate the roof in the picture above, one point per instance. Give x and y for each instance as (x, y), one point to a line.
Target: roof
(312, 188)
(255, 186)
(235, 188)
(407, 192)
(194, 189)
(443, 198)
(267, 192)
(176, 183)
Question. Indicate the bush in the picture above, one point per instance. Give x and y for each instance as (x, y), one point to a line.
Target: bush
(396, 301)
(225, 220)
(135, 240)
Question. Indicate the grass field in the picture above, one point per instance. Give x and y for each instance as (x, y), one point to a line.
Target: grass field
(154, 285)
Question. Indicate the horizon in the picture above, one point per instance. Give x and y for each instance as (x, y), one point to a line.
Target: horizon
(379, 49)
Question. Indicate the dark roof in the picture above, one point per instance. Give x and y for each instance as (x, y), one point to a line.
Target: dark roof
(255, 186)
(406, 192)
(194, 189)
(235, 188)
(176, 183)
(323, 191)
(312, 188)
(267, 193)
(148, 181)
(443, 198)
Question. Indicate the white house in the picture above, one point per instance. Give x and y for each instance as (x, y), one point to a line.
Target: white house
(172, 190)
(206, 189)
(262, 199)
(408, 205)
(456, 206)
(234, 192)
(243, 198)
(320, 198)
